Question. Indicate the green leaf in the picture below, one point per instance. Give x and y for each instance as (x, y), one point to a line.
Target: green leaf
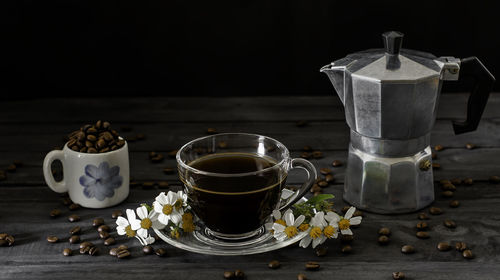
(319, 198)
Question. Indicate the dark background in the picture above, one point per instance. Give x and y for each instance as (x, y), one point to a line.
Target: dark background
(199, 48)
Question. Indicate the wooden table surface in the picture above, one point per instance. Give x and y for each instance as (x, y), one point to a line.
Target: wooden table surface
(31, 128)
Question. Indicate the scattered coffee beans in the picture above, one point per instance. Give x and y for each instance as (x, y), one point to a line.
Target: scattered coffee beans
(10, 240)
(468, 181)
(436, 165)
(305, 155)
(434, 155)
(169, 170)
(86, 244)
(346, 239)
(383, 240)
(321, 251)
(336, 163)
(11, 168)
(456, 181)
(470, 146)
(435, 211)
(443, 246)
(97, 138)
(148, 250)
(109, 241)
(384, 231)
(315, 188)
(104, 235)
(325, 171)
(323, 183)
(449, 187)
(73, 218)
(52, 239)
(148, 185)
(73, 206)
(494, 179)
(454, 203)
(329, 178)
(113, 251)
(3, 243)
(407, 249)
(75, 230)
(312, 266)
(317, 154)
(460, 246)
(155, 157)
(422, 234)
(3, 175)
(467, 254)
(97, 222)
(274, 264)
(85, 250)
(422, 225)
(398, 275)
(122, 254)
(239, 274)
(66, 201)
(55, 213)
(74, 239)
(422, 216)
(161, 252)
(211, 130)
(67, 252)
(103, 228)
(163, 185)
(450, 224)
(438, 148)
(93, 251)
(301, 276)
(116, 214)
(447, 194)
(228, 274)
(346, 249)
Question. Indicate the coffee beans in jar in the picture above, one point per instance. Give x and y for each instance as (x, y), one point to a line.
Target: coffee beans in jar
(96, 138)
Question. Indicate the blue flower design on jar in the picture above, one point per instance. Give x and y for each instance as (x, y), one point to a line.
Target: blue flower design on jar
(100, 182)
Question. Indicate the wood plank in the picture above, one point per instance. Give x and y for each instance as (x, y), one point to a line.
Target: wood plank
(33, 258)
(153, 109)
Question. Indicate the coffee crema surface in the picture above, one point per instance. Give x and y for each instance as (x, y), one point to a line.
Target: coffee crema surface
(238, 193)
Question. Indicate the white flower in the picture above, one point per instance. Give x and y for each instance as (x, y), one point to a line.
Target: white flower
(146, 240)
(277, 219)
(332, 229)
(145, 222)
(123, 225)
(290, 229)
(169, 207)
(315, 231)
(347, 221)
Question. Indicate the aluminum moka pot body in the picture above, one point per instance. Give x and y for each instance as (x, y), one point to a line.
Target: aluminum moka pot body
(391, 99)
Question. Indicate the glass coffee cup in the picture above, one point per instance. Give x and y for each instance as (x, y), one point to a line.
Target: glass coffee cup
(234, 181)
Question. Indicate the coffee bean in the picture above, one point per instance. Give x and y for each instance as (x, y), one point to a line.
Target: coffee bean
(55, 213)
(101, 144)
(104, 235)
(422, 234)
(317, 193)
(443, 246)
(346, 249)
(86, 244)
(325, 171)
(85, 250)
(97, 222)
(435, 211)
(147, 250)
(91, 130)
(494, 179)
(102, 228)
(436, 165)
(346, 239)
(460, 246)
(98, 124)
(74, 239)
(422, 216)
(321, 251)
(449, 187)
(73, 218)
(383, 240)
(468, 181)
(454, 203)
(434, 155)
(113, 251)
(323, 183)
(422, 225)
(357, 213)
(3, 175)
(467, 254)
(384, 231)
(93, 251)
(447, 194)
(3, 236)
(75, 230)
(450, 224)
(307, 148)
(106, 125)
(312, 265)
(169, 170)
(91, 138)
(11, 168)
(67, 252)
(117, 213)
(91, 151)
(438, 148)
(470, 146)
(52, 239)
(407, 249)
(122, 247)
(10, 240)
(301, 123)
(274, 264)
(109, 241)
(211, 130)
(336, 163)
(122, 254)
(140, 136)
(163, 185)
(3, 243)
(161, 252)
(398, 275)
(228, 274)
(345, 209)
(315, 188)
(301, 276)
(329, 178)
(305, 155)
(239, 274)
(157, 159)
(75, 148)
(317, 154)
(73, 206)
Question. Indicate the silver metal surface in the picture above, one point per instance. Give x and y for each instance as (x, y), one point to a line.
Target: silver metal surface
(389, 147)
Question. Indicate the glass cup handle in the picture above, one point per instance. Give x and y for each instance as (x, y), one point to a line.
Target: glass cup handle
(306, 186)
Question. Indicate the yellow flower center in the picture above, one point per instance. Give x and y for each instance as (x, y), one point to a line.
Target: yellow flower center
(188, 227)
(167, 209)
(175, 234)
(146, 223)
(315, 232)
(344, 224)
(281, 222)
(178, 204)
(129, 232)
(291, 231)
(304, 227)
(329, 231)
(187, 218)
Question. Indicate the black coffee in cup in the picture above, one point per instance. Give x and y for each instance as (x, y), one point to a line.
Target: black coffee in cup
(235, 192)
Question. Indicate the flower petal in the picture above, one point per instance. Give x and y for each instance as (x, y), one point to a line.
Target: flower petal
(92, 171)
(349, 213)
(289, 219)
(142, 212)
(299, 221)
(135, 224)
(120, 230)
(130, 215)
(122, 222)
(355, 220)
(175, 217)
(278, 228)
(276, 214)
(142, 232)
(164, 219)
(157, 207)
(86, 180)
(304, 243)
(158, 225)
(161, 198)
(332, 216)
(268, 226)
(346, 231)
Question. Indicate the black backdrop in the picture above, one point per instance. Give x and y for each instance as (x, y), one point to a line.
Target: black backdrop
(193, 48)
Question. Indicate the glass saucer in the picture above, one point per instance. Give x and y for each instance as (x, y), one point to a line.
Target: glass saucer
(202, 242)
